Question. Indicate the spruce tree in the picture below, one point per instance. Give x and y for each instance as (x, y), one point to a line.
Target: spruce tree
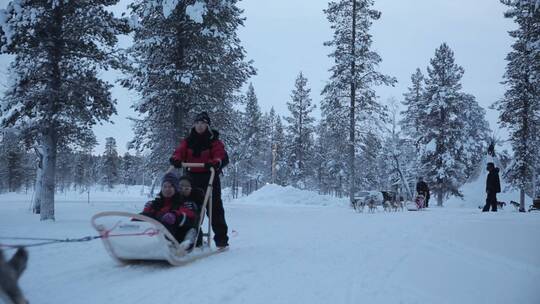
(11, 161)
(187, 59)
(111, 161)
(451, 128)
(413, 102)
(280, 152)
(252, 139)
(520, 107)
(354, 73)
(59, 48)
(300, 131)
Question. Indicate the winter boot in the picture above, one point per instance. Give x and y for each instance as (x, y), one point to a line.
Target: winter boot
(189, 239)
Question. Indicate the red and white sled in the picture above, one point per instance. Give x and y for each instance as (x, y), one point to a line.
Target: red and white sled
(418, 203)
(130, 237)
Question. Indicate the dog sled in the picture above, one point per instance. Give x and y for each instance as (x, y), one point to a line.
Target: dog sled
(418, 203)
(536, 205)
(129, 237)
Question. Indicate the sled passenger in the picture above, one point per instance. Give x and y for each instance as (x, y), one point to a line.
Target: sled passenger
(493, 186)
(177, 208)
(204, 146)
(422, 188)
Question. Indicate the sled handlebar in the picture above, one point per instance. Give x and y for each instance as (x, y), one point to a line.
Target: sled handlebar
(190, 165)
(193, 165)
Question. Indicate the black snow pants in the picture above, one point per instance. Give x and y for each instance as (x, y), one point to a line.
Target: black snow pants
(179, 233)
(219, 225)
(491, 200)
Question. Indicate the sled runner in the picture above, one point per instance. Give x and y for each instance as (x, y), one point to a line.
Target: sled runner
(130, 237)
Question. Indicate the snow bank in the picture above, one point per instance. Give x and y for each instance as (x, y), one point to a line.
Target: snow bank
(119, 193)
(277, 195)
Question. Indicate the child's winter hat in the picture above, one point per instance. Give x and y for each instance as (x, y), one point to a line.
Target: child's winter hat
(172, 179)
(203, 116)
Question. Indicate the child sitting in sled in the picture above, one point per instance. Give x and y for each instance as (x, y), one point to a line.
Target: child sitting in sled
(177, 207)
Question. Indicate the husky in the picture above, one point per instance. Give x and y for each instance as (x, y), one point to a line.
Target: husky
(358, 205)
(371, 206)
(10, 271)
(500, 205)
(515, 204)
(387, 206)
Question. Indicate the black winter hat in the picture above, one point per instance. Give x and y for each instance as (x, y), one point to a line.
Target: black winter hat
(171, 178)
(203, 116)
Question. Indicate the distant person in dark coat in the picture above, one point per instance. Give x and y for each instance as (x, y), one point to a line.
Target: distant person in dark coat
(422, 188)
(493, 186)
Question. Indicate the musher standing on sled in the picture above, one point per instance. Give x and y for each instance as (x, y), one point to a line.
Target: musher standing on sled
(493, 186)
(203, 146)
(422, 188)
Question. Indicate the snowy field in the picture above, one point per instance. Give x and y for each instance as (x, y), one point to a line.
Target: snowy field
(291, 246)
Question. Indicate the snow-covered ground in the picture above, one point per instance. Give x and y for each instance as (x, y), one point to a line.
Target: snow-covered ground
(292, 246)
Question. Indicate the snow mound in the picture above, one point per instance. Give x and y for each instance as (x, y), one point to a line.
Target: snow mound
(278, 195)
(120, 193)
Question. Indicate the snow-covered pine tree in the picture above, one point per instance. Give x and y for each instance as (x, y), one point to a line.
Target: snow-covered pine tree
(269, 151)
(354, 73)
(446, 132)
(234, 140)
(127, 169)
(412, 101)
(368, 158)
(187, 58)
(64, 168)
(320, 158)
(111, 166)
(59, 48)
(331, 144)
(300, 131)
(399, 153)
(520, 107)
(280, 151)
(11, 161)
(252, 143)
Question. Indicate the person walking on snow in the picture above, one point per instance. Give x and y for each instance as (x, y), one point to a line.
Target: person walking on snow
(177, 208)
(204, 146)
(493, 186)
(422, 188)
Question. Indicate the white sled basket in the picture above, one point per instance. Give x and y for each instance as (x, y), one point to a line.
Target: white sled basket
(130, 237)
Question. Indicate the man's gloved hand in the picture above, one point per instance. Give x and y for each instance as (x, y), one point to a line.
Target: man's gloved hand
(212, 165)
(176, 163)
(168, 218)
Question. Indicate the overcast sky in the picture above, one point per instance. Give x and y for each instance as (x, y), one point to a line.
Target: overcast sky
(284, 37)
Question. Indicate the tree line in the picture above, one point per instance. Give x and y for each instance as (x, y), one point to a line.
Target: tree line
(186, 57)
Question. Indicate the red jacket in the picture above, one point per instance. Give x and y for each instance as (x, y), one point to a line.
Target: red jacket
(181, 206)
(204, 148)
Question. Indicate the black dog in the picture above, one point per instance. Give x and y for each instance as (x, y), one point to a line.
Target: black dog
(500, 205)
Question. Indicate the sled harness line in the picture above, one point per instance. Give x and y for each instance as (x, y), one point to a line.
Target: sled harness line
(47, 241)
